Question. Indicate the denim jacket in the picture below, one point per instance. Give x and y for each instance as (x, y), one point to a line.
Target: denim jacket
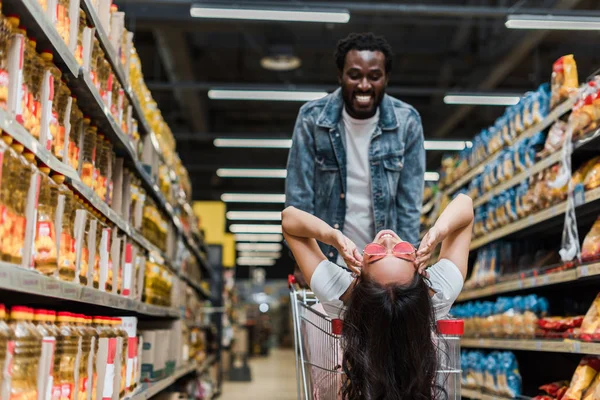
(316, 168)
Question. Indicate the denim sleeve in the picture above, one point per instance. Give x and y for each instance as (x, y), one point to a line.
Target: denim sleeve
(410, 187)
(299, 184)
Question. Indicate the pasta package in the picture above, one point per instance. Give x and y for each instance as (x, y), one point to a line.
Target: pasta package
(564, 79)
(583, 377)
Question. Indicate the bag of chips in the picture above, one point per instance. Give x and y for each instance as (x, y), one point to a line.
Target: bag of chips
(592, 178)
(591, 391)
(582, 378)
(553, 388)
(555, 139)
(564, 79)
(591, 321)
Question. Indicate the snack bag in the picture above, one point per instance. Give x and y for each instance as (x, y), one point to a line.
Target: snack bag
(582, 378)
(491, 372)
(591, 391)
(581, 173)
(591, 244)
(591, 321)
(564, 79)
(555, 139)
(552, 389)
(592, 178)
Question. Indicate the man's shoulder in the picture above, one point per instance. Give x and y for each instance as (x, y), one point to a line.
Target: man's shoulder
(315, 107)
(403, 109)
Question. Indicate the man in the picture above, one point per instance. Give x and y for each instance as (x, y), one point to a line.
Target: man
(357, 160)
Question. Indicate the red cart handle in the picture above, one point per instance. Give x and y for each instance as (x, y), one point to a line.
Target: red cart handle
(291, 280)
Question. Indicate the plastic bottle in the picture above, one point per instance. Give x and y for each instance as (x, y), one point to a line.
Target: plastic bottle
(27, 351)
(449, 369)
(45, 237)
(66, 254)
(23, 174)
(88, 157)
(34, 100)
(67, 346)
(99, 158)
(87, 344)
(5, 35)
(75, 134)
(5, 335)
(55, 122)
(44, 322)
(105, 333)
(82, 25)
(122, 333)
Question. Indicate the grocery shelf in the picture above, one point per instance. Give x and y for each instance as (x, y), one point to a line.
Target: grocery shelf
(33, 18)
(554, 115)
(545, 345)
(534, 219)
(16, 279)
(517, 179)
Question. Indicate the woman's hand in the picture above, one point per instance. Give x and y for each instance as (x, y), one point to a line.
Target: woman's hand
(430, 241)
(347, 250)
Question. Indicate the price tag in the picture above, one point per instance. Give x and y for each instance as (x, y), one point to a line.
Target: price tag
(113, 301)
(87, 295)
(69, 291)
(30, 282)
(543, 280)
(528, 345)
(576, 347)
(538, 345)
(579, 195)
(583, 271)
(590, 348)
(557, 346)
(122, 303)
(52, 288)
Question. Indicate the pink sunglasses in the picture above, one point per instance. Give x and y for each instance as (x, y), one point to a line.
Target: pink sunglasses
(402, 250)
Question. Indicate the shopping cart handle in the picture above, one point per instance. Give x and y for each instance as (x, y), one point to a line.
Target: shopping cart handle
(291, 280)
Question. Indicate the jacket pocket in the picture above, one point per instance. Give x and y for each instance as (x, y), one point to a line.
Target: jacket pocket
(392, 167)
(326, 173)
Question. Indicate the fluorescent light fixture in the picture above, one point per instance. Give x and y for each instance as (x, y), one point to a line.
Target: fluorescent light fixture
(263, 308)
(264, 95)
(268, 254)
(251, 173)
(254, 239)
(271, 14)
(255, 261)
(259, 246)
(552, 22)
(254, 216)
(252, 198)
(249, 228)
(445, 144)
(432, 176)
(482, 99)
(254, 143)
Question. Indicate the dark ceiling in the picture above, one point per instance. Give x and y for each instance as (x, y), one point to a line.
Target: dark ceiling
(439, 46)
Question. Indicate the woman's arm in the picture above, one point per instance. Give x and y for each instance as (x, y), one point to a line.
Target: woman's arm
(302, 230)
(453, 229)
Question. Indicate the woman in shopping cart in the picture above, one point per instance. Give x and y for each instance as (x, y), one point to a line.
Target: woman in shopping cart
(389, 301)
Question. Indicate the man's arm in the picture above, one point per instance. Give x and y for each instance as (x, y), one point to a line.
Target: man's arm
(410, 187)
(299, 184)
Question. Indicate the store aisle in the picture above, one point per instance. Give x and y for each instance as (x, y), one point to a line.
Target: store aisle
(273, 378)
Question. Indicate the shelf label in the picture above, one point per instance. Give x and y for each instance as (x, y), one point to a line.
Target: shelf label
(52, 287)
(579, 195)
(70, 291)
(29, 282)
(589, 348)
(576, 347)
(583, 271)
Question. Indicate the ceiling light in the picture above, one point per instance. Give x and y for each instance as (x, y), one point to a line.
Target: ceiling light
(280, 62)
(251, 173)
(254, 143)
(263, 308)
(258, 246)
(445, 144)
(261, 238)
(552, 22)
(268, 254)
(432, 176)
(252, 198)
(255, 261)
(256, 228)
(268, 95)
(271, 14)
(254, 215)
(482, 99)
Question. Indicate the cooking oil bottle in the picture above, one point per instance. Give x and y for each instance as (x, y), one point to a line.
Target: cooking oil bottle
(88, 158)
(6, 334)
(67, 346)
(122, 333)
(27, 351)
(87, 345)
(45, 237)
(107, 338)
(66, 254)
(44, 323)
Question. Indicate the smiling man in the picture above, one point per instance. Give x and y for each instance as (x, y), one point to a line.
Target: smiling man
(357, 159)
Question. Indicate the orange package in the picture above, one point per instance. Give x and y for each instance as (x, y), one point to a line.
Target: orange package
(564, 79)
(582, 172)
(590, 250)
(592, 178)
(582, 378)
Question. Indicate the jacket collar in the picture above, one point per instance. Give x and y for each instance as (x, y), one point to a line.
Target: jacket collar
(332, 112)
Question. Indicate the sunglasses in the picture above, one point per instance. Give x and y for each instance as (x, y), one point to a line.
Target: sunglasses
(402, 250)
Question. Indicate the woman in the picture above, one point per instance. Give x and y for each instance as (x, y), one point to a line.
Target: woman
(390, 301)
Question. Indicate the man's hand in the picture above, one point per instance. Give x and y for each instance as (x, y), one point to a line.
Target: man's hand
(348, 251)
(430, 241)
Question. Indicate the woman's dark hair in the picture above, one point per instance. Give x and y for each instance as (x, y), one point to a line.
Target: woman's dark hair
(388, 344)
(363, 41)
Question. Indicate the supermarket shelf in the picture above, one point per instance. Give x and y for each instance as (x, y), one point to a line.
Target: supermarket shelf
(148, 390)
(534, 219)
(16, 279)
(540, 126)
(545, 345)
(20, 134)
(584, 271)
(109, 51)
(33, 18)
(517, 179)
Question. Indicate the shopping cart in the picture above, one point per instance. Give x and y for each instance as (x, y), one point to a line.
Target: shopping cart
(319, 374)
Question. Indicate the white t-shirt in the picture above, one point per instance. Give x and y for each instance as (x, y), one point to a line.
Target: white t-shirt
(359, 224)
(329, 282)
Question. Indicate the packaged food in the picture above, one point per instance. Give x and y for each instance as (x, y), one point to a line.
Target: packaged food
(592, 178)
(581, 173)
(555, 138)
(582, 378)
(45, 254)
(590, 393)
(590, 250)
(552, 389)
(565, 80)
(24, 364)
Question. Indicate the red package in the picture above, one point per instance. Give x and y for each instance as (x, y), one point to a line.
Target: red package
(544, 398)
(553, 388)
(561, 393)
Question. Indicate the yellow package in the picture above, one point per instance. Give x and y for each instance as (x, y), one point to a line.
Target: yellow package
(582, 378)
(592, 178)
(581, 173)
(564, 79)
(590, 393)
(591, 321)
